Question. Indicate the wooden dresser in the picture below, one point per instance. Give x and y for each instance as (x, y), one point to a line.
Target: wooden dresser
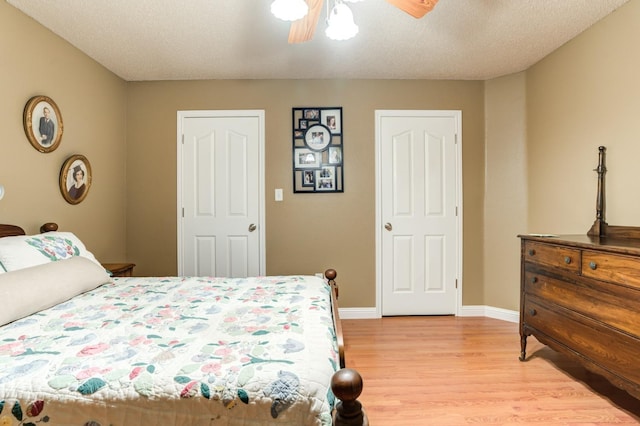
(581, 296)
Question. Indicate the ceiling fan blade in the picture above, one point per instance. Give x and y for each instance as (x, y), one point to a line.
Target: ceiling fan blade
(415, 8)
(303, 29)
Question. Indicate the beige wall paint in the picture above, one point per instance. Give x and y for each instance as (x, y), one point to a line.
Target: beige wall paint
(305, 233)
(92, 102)
(505, 197)
(584, 95)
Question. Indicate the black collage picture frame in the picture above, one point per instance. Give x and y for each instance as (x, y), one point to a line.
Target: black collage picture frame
(318, 150)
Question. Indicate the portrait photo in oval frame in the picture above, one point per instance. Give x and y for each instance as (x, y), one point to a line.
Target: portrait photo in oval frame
(43, 123)
(75, 179)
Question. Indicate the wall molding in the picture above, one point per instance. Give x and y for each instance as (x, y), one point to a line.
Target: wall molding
(490, 312)
(358, 313)
(465, 311)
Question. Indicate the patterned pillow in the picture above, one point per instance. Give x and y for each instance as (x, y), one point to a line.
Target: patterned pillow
(30, 250)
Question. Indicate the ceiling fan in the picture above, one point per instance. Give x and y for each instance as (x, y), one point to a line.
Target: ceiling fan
(303, 29)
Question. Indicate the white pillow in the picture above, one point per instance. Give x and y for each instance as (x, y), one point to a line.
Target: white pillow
(33, 289)
(23, 251)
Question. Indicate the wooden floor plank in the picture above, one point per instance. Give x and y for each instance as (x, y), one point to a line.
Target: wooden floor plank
(447, 370)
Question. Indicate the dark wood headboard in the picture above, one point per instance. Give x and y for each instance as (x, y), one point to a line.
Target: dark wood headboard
(10, 230)
(13, 230)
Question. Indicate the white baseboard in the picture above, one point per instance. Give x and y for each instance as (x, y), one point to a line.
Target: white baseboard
(358, 313)
(465, 311)
(490, 312)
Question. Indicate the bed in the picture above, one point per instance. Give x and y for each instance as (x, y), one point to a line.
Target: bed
(78, 347)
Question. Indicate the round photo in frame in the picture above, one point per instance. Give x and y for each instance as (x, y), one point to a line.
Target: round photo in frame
(75, 178)
(42, 122)
(317, 137)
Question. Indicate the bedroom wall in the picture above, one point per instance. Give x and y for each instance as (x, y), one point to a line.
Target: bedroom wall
(92, 102)
(505, 199)
(305, 233)
(581, 96)
(543, 129)
(584, 95)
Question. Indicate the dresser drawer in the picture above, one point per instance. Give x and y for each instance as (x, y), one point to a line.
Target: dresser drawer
(586, 337)
(551, 255)
(617, 307)
(612, 268)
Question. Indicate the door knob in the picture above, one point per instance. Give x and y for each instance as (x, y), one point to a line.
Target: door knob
(252, 227)
(388, 226)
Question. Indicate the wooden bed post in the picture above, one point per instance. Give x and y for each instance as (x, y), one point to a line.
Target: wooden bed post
(49, 227)
(346, 385)
(330, 275)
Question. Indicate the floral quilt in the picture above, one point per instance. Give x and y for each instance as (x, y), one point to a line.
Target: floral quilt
(174, 351)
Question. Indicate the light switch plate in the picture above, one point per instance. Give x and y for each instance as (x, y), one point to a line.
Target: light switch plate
(279, 196)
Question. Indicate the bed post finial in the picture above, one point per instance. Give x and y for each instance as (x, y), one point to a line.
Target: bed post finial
(49, 227)
(599, 227)
(330, 275)
(346, 385)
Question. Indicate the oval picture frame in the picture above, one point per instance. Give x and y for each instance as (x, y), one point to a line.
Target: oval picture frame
(72, 192)
(317, 137)
(43, 123)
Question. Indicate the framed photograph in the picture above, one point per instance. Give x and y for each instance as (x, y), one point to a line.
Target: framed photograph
(318, 149)
(75, 179)
(332, 119)
(42, 123)
(317, 137)
(308, 178)
(304, 158)
(326, 179)
(335, 155)
(312, 114)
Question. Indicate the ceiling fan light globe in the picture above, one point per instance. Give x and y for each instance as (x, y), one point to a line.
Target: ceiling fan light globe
(289, 10)
(340, 25)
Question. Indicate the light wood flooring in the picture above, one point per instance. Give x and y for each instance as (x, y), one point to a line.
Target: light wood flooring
(459, 370)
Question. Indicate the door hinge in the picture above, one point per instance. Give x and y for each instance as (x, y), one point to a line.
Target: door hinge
(456, 283)
(456, 210)
(183, 139)
(183, 212)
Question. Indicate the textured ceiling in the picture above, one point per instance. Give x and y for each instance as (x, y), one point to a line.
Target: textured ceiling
(221, 39)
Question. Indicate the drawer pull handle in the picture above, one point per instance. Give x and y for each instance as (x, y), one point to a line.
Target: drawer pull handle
(532, 252)
(567, 260)
(533, 312)
(534, 280)
(593, 265)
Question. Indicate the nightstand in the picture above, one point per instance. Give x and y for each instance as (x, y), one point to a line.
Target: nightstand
(119, 269)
